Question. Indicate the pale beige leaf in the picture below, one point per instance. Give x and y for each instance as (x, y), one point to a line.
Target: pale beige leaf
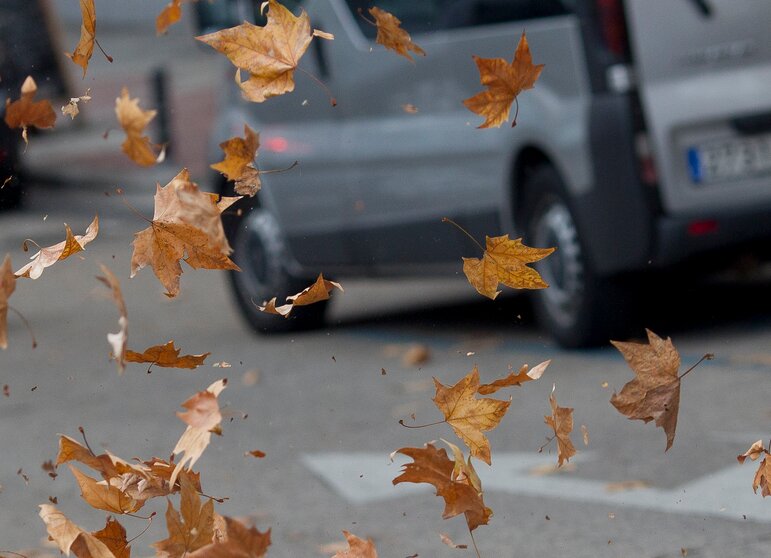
(46, 257)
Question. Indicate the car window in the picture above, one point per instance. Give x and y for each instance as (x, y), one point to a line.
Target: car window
(416, 15)
(469, 13)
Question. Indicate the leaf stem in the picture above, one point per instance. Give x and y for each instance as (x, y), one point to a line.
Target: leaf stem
(708, 356)
(271, 171)
(365, 18)
(516, 112)
(149, 522)
(30, 241)
(133, 209)
(26, 324)
(321, 84)
(548, 441)
(401, 421)
(107, 56)
(218, 500)
(85, 440)
(464, 231)
(473, 541)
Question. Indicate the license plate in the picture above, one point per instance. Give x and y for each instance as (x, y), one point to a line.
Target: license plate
(730, 160)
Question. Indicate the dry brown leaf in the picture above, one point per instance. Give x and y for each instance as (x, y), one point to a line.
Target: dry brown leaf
(134, 120)
(71, 538)
(46, 257)
(186, 224)
(85, 47)
(315, 293)
(255, 453)
(166, 356)
(191, 530)
(561, 421)
(504, 82)
(416, 354)
(25, 112)
(114, 538)
(239, 541)
(238, 164)
(391, 35)
(170, 15)
(103, 496)
(515, 378)
(762, 478)
(431, 465)
(468, 416)
(7, 286)
(505, 261)
(117, 340)
(269, 54)
(202, 418)
(445, 538)
(71, 109)
(357, 548)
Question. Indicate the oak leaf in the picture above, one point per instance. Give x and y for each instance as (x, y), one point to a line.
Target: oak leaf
(391, 35)
(46, 257)
(762, 478)
(238, 164)
(238, 541)
(191, 530)
(117, 340)
(431, 465)
(315, 293)
(515, 378)
(114, 538)
(505, 261)
(170, 15)
(269, 54)
(186, 224)
(85, 47)
(71, 538)
(104, 496)
(561, 421)
(25, 112)
(654, 393)
(468, 416)
(166, 356)
(357, 548)
(134, 120)
(7, 286)
(504, 83)
(202, 418)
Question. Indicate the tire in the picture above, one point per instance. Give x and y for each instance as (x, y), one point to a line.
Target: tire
(260, 251)
(580, 308)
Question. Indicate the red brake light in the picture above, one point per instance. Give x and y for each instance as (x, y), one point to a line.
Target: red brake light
(610, 14)
(700, 228)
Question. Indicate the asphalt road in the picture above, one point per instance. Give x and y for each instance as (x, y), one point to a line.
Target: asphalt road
(326, 415)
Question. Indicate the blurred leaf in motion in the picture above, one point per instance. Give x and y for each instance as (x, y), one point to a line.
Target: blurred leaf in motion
(391, 35)
(25, 112)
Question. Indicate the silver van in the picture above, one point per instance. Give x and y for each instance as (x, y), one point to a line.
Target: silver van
(645, 143)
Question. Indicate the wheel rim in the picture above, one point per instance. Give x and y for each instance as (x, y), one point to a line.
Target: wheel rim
(563, 270)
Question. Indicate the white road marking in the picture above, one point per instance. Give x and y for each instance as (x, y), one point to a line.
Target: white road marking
(361, 478)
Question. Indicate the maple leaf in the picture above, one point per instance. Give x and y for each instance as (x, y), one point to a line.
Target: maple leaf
(170, 15)
(515, 378)
(186, 224)
(504, 82)
(191, 530)
(134, 120)
(71, 538)
(431, 465)
(166, 356)
(239, 162)
(269, 54)
(117, 340)
(561, 421)
(7, 286)
(46, 257)
(468, 416)
(71, 109)
(25, 112)
(315, 293)
(104, 496)
(114, 538)
(762, 478)
(85, 47)
(202, 418)
(238, 541)
(357, 548)
(392, 36)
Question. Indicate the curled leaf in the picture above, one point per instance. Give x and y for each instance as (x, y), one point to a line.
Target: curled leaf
(357, 548)
(561, 421)
(46, 257)
(515, 378)
(7, 286)
(117, 340)
(315, 293)
(166, 356)
(238, 164)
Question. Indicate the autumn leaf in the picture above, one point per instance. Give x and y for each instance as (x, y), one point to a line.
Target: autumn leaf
(561, 421)
(85, 48)
(391, 35)
(7, 286)
(103, 496)
(504, 83)
(117, 340)
(71, 109)
(315, 293)
(239, 162)
(445, 538)
(166, 356)
(25, 112)
(46, 257)
(191, 530)
(202, 418)
(170, 15)
(357, 548)
(71, 538)
(239, 542)
(186, 224)
(269, 54)
(114, 538)
(515, 378)
(468, 416)
(134, 120)
(762, 478)
(431, 465)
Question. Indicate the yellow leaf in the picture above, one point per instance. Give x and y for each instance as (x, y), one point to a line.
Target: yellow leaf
(170, 15)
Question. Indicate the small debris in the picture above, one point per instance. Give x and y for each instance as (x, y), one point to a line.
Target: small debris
(448, 541)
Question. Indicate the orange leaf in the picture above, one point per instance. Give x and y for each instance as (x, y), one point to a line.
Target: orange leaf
(85, 48)
(357, 548)
(103, 496)
(239, 162)
(315, 293)
(46, 257)
(170, 15)
(468, 416)
(239, 541)
(191, 530)
(117, 340)
(515, 378)
(269, 54)
(504, 82)
(7, 286)
(504, 261)
(24, 112)
(561, 421)
(166, 356)
(114, 538)
(134, 120)
(69, 537)
(392, 36)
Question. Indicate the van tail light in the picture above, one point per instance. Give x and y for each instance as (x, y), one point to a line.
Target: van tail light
(700, 228)
(610, 15)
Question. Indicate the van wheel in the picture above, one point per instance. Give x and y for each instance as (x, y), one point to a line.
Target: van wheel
(259, 250)
(579, 308)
